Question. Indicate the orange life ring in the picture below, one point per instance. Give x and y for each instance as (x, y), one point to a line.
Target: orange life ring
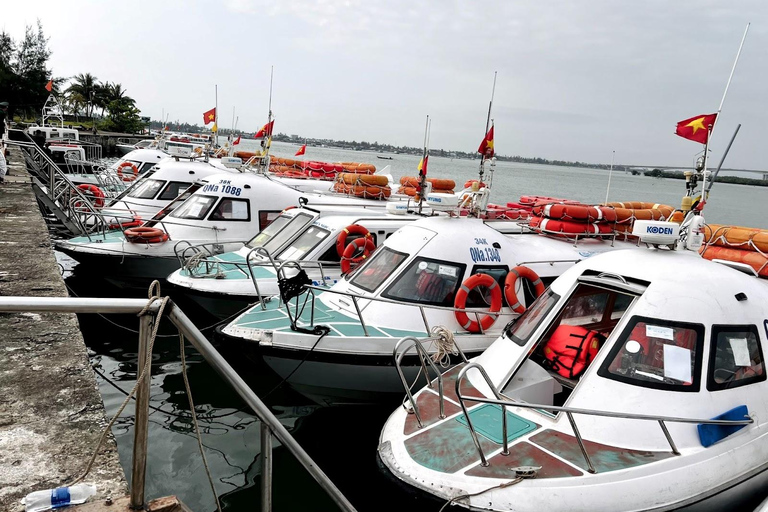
(511, 281)
(145, 235)
(365, 243)
(352, 229)
(94, 193)
(133, 223)
(460, 302)
(578, 212)
(124, 174)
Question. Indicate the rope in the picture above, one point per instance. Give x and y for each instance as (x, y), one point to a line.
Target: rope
(463, 496)
(444, 344)
(147, 362)
(194, 420)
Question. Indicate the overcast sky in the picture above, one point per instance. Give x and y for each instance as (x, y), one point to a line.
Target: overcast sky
(576, 79)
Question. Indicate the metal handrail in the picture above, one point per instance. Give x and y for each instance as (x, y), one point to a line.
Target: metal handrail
(505, 401)
(209, 353)
(422, 307)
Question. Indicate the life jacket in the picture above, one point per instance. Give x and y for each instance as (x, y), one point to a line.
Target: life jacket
(571, 348)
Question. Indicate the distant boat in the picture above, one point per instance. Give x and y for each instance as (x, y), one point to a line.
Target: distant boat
(384, 157)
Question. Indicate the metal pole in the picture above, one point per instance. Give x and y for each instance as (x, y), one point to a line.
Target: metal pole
(74, 305)
(610, 173)
(141, 426)
(218, 363)
(266, 468)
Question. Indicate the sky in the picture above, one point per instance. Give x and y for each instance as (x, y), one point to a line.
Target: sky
(577, 81)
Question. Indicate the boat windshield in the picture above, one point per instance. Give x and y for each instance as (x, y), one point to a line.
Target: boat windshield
(147, 189)
(428, 282)
(521, 329)
(196, 207)
(383, 263)
(304, 244)
(276, 239)
(269, 231)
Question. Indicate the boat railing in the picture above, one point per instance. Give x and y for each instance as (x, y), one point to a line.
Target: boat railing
(504, 401)
(148, 315)
(193, 256)
(424, 359)
(355, 297)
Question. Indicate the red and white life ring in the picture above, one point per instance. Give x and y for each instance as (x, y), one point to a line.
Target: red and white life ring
(94, 193)
(145, 235)
(347, 259)
(578, 212)
(510, 284)
(352, 229)
(460, 302)
(127, 171)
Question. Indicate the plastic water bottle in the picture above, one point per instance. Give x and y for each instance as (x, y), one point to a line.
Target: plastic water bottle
(59, 497)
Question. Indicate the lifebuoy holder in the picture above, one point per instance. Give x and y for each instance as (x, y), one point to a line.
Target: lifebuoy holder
(460, 302)
(510, 283)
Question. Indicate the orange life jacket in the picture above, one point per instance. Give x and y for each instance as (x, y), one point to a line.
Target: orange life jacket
(571, 348)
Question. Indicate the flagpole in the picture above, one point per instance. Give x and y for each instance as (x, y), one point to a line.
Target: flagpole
(610, 173)
(268, 132)
(422, 170)
(488, 121)
(216, 117)
(719, 109)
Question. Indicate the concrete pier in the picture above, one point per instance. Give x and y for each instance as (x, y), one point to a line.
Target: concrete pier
(51, 413)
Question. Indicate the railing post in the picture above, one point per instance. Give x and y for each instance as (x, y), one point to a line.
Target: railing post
(140, 429)
(266, 468)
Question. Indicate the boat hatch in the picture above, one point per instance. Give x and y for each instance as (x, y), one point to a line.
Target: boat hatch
(571, 339)
(614, 282)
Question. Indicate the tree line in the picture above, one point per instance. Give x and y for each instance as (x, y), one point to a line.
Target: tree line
(24, 73)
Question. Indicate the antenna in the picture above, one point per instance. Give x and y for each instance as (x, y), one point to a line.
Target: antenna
(488, 122)
(610, 173)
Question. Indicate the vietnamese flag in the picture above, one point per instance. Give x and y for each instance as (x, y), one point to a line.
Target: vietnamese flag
(301, 151)
(210, 116)
(237, 141)
(49, 86)
(486, 147)
(266, 130)
(696, 128)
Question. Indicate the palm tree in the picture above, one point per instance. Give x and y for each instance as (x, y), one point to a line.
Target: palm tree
(85, 85)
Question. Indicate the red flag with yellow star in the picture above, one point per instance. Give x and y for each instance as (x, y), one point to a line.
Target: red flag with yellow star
(266, 130)
(486, 147)
(696, 128)
(210, 116)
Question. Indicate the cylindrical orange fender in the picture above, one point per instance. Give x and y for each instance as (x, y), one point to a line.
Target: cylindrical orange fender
(748, 239)
(511, 281)
(460, 302)
(565, 227)
(347, 259)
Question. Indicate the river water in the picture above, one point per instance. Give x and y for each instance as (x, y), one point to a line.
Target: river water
(342, 440)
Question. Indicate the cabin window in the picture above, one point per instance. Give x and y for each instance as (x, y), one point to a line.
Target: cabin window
(428, 282)
(147, 189)
(266, 218)
(304, 244)
(232, 210)
(269, 231)
(381, 265)
(332, 255)
(735, 357)
(657, 354)
(173, 189)
(196, 207)
(146, 166)
(480, 297)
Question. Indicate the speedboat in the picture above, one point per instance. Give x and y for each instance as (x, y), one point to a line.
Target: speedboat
(315, 236)
(635, 382)
(218, 217)
(335, 345)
